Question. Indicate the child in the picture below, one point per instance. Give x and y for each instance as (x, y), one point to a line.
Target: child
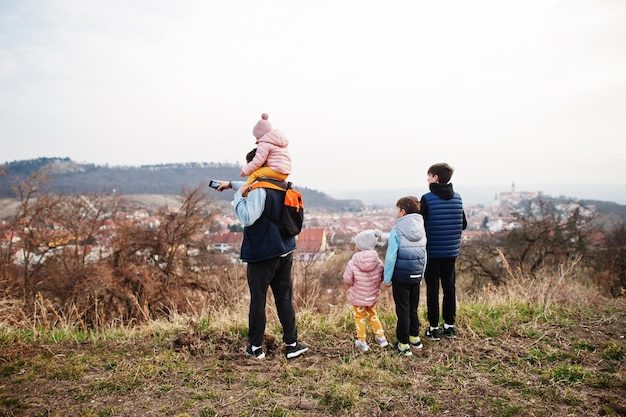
(363, 275)
(272, 157)
(405, 261)
(444, 219)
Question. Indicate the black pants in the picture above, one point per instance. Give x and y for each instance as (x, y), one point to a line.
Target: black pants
(441, 270)
(406, 297)
(274, 273)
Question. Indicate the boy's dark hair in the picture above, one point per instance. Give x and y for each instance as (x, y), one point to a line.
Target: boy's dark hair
(250, 155)
(409, 204)
(442, 171)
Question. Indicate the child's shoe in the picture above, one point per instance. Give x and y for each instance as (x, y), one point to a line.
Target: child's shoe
(433, 333)
(404, 349)
(449, 331)
(361, 345)
(382, 341)
(415, 342)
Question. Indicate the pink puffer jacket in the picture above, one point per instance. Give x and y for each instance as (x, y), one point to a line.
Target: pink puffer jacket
(364, 274)
(271, 151)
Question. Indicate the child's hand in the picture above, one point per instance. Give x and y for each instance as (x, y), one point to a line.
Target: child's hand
(385, 285)
(241, 174)
(244, 189)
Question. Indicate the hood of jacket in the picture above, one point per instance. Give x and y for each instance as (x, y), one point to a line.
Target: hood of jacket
(366, 260)
(445, 191)
(411, 227)
(274, 137)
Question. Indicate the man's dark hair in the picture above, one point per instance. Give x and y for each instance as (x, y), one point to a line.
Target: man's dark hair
(409, 204)
(442, 171)
(250, 155)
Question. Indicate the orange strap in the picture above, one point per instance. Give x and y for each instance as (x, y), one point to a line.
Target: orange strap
(266, 184)
(291, 200)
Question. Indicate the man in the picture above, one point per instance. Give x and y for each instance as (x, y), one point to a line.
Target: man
(269, 258)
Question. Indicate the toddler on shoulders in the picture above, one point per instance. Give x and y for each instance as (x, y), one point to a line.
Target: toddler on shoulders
(271, 158)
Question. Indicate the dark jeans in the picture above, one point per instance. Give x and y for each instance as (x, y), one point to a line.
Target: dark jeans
(274, 273)
(406, 298)
(441, 270)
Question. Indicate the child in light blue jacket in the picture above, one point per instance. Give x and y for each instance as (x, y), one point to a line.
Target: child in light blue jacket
(405, 262)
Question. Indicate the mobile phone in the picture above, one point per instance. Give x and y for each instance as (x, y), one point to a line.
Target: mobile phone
(214, 184)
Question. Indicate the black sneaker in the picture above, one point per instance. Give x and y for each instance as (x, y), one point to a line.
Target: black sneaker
(295, 351)
(449, 332)
(433, 334)
(256, 353)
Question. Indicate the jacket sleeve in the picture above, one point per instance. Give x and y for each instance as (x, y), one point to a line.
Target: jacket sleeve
(348, 275)
(262, 151)
(423, 208)
(391, 256)
(380, 269)
(248, 209)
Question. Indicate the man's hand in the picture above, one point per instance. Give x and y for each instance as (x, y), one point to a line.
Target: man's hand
(224, 185)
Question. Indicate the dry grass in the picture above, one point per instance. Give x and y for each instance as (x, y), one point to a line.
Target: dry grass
(547, 287)
(540, 346)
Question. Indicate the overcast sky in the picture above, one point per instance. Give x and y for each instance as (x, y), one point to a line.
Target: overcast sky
(369, 93)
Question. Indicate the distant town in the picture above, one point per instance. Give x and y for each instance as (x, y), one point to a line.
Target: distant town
(325, 231)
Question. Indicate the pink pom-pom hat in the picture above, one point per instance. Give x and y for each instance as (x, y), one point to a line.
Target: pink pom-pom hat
(262, 127)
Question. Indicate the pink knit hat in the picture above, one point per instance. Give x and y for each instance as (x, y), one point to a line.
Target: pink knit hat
(262, 127)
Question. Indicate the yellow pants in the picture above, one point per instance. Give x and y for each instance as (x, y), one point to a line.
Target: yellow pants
(367, 314)
(265, 172)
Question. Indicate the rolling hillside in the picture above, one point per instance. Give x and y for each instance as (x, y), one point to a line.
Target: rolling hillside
(69, 177)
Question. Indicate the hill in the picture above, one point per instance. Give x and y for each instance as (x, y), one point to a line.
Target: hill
(69, 177)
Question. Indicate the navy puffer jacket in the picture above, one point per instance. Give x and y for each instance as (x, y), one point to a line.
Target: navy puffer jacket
(444, 220)
(263, 240)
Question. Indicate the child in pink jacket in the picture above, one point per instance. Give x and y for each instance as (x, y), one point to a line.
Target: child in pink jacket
(363, 276)
(272, 157)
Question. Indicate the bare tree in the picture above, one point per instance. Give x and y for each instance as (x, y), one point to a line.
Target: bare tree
(610, 262)
(34, 229)
(479, 263)
(306, 278)
(180, 227)
(546, 235)
(82, 219)
(165, 244)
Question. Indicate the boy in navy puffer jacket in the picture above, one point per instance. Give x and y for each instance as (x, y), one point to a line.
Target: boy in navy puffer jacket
(444, 219)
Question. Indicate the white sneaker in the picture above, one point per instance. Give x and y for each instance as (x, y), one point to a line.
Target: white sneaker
(382, 341)
(361, 345)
